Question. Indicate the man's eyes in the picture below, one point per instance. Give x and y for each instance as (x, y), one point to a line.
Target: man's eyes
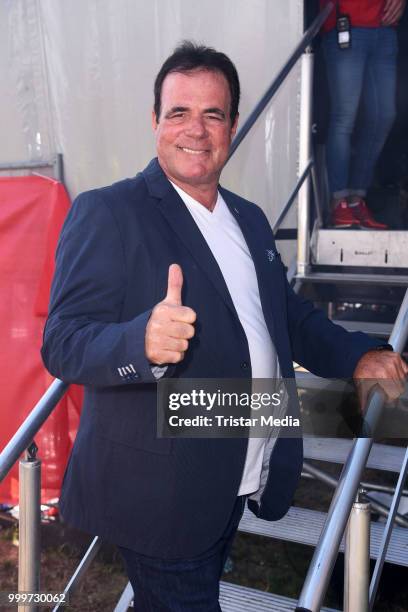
(182, 115)
(178, 115)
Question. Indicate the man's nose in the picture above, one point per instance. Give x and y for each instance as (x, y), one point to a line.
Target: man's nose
(196, 127)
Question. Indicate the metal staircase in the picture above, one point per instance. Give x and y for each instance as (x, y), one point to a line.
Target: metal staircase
(304, 526)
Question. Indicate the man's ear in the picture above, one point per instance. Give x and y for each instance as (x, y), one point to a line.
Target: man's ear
(234, 126)
(154, 120)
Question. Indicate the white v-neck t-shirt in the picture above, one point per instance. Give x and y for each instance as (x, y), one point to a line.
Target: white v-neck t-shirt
(227, 243)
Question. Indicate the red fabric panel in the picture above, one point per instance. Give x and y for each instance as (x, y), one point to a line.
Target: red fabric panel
(32, 211)
(363, 13)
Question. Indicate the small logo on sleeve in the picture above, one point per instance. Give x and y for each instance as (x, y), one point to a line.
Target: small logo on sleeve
(127, 370)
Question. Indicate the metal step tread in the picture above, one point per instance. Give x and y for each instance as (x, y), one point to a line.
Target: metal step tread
(304, 526)
(236, 598)
(368, 327)
(335, 450)
(339, 277)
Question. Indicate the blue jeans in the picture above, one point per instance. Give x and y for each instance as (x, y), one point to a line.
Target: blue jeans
(363, 74)
(182, 585)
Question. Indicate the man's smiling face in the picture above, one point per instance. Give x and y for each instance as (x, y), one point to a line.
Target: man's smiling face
(194, 130)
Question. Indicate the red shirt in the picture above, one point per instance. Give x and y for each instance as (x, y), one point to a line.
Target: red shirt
(362, 13)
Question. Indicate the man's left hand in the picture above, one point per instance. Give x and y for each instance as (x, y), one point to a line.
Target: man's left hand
(393, 10)
(383, 368)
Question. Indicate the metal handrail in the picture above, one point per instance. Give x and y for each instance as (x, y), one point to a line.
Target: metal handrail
(56, 163)
(281, 216)
(81, 569)
(28, 165)
(280, 77)
(322, 564)
(29, 428)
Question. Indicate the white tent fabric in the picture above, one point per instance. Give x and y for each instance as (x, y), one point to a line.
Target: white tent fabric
(77, 78)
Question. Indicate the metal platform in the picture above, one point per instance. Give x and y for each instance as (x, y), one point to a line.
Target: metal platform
(336, 450)
(304, 526)
(235, 598)
(382, 249)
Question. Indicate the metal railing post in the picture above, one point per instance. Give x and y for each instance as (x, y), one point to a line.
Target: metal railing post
(357, 558)
(29, 525)
(305, 135)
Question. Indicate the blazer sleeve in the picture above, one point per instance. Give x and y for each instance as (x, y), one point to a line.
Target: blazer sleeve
(85, 341)
(324, 348)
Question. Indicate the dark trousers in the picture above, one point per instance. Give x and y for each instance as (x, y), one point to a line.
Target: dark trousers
(181, 585)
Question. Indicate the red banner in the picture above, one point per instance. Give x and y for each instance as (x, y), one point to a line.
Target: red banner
(32, 211)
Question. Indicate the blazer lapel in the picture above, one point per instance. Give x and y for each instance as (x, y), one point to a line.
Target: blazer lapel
(177, 215)
(266, 266)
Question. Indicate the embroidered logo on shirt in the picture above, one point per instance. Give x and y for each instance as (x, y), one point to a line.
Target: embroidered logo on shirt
(271, 254)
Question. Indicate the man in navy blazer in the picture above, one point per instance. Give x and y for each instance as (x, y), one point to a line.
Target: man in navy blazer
(139, 293)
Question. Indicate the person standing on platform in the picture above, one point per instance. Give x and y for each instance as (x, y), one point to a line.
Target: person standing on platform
(360, 52)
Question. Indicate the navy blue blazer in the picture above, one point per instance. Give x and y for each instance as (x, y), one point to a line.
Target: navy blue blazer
(167, 497)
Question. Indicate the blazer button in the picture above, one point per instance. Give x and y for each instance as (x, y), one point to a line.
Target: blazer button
(244, 365)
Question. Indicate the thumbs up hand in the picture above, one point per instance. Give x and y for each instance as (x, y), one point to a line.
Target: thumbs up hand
(170, 326)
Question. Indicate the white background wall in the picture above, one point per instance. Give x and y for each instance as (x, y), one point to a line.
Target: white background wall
(77, 77)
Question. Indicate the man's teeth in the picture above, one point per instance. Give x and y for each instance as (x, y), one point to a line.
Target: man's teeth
(194, 152)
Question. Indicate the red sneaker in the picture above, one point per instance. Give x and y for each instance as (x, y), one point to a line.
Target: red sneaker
(343, 216)
(366, 219)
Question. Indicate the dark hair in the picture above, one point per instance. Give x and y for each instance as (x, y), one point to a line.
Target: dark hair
(187, 57)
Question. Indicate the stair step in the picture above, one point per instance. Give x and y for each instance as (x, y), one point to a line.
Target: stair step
(355, 278)
(304, 526)
(235, 598)
(336, 450)
(382, 330)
